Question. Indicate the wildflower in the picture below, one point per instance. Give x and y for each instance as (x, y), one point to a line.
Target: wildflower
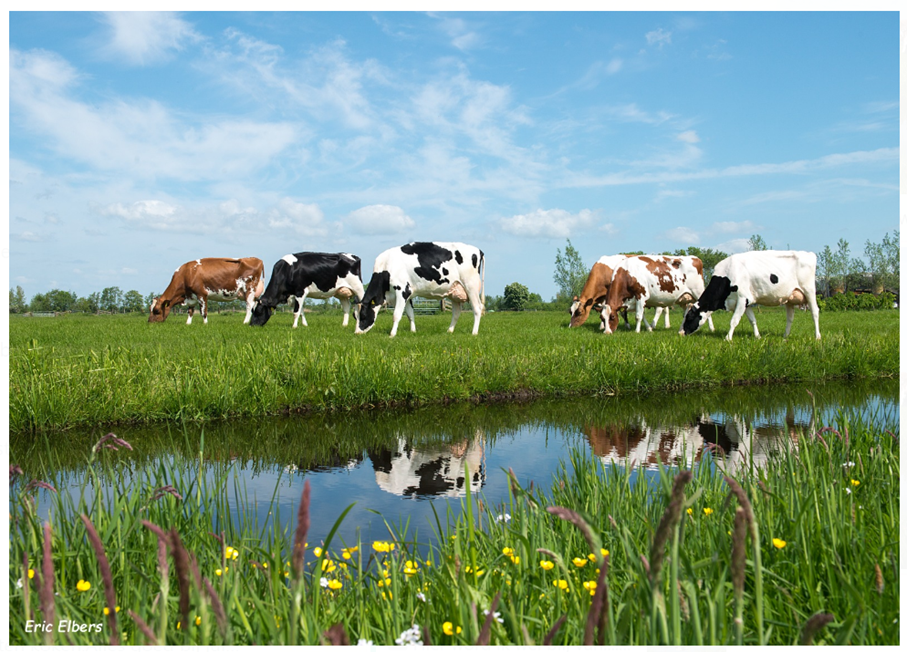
(546, 565)
(847, 489)
(335, 585)
(605, 553)
(847, 465)
(420, 596)
(690, 511)
(579, 562)
(504, 517)
(347, 553)
(448, 628)
(83, 585)
(410, 568)
(561, 584)
(364, 643)
(324, 582)
(479, 571)
(328, 566)
(508, 552)
(855, 483)
(707, 510)
(382, 546)
(107, 611)
(318, 552)
(779, 543)
(428, 562)
(198, 621)
(515, 559)
(410, 636)
(389, 596)
(31, 573)
(264, 564)
(496, 616)
(231, 553)
(591, 557)
(590, 586)
(384, 582)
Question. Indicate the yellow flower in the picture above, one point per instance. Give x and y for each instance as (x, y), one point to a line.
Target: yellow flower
(31, 573)
(318, 552)
(387, 596)
(508, 552)
(855, 483)
(515, 559)
(335, 584)
(448, 628)
(107, 611)
(690, 511)
(605, 553)
(286, 573)
(590, 586)
(580, 562)
(707, 510)
(479, 571)
(328, 566)
(428, 562)
(591, 556)
(779, 543)
(231, 553)
(382, 546)
(265, 564)
(410, 568)
(546, 565)
(82, 585)
(198, 621)
(561, 584)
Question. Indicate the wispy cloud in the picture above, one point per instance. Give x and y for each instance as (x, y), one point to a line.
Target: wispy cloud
(379, 219)
(146, 37)
(683, 235)
(554, 223)
(658, 37)
(461, 35)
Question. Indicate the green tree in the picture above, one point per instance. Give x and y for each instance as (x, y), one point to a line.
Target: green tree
(39, 303)
(709, 258)
(844, 264)
(149, 298)
(111, 299)
(827, 270)
(569, 272)
(884, 263)
(756, 243)
(133, 302)
(516, 296)
(17, 301)
(61, 300)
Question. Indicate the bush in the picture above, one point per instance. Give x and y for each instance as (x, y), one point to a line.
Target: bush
(851, 301)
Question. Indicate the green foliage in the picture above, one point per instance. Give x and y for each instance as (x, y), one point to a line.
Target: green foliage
(709, 258)
(111, 299)
(756, 243)
(570, 272)
(133, 302)
(516, 296)
(88, 369)
(851, 301)
(17, 301)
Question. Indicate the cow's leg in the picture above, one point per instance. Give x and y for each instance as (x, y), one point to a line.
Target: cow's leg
(300, 311)
(736, 317)
(475, 300)
(345, 305)
(399, 307)
(454, 314)
(790, 320)
(624, 311)
(667, 317)
(641, 315)
(658, 312)
(410, 313)
(189, 320)
(203, 304)
(814, 309)
(752, 317)
(250, 303)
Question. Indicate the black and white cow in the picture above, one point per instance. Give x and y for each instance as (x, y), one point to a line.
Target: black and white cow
(425, 269)
(766, 278)
(315, 275)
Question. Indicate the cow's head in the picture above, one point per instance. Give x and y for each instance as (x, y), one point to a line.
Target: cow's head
(713, 298)
(159, 310)
(579, 312)
(260, 314)
(372, 302)
(610, 319)
(693, 319)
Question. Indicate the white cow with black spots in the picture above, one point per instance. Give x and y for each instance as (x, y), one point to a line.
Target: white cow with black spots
(765, 278)
(435, 270)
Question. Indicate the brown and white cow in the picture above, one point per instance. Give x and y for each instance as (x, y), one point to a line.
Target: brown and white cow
(596, 289)
(660, 281)
(211, 279)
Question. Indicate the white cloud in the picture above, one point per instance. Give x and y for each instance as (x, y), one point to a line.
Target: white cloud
(735, 246)
(461, 36)
(379, 219)
(688, 136)
(659, 37)
(306, 219)
(554, 223)
(145, 37)
(683, 235)
(614, 66)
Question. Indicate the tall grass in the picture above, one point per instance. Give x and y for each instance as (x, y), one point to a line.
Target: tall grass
(610, 556)
(77, 370)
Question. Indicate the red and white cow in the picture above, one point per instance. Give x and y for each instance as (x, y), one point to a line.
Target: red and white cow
(660, 281)
(596, 289)
(215, 279)
(425, 269)
(765, 278)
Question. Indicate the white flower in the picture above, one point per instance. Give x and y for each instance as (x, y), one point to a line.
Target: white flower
(410, 636)
(363, 642)
(421, 596)
(847, 489)
(497, 615)
(19, 582)
(847, 464)
(324, 582)
(504, 517)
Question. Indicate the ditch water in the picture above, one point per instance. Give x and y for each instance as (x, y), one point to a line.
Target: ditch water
(403, 466)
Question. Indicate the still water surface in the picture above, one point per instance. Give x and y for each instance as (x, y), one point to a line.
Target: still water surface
(402, 466)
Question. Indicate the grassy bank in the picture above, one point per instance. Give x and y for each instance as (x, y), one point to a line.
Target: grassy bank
(76, 370)
(805, 548)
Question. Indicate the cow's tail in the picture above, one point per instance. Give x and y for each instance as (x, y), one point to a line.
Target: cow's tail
(483, 280)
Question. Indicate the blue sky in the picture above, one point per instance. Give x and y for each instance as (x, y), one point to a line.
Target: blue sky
(139, 141)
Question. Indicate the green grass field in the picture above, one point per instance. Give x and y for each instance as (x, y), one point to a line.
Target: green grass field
(79, 370)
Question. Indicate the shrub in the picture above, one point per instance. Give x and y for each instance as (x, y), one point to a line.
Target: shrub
(851, 301)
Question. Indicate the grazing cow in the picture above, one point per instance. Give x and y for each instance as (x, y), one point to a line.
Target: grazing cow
(596, 289)
(765, 278)
(425, 269)
(660, 281)
(215, 279)
(413, 472)
(306, 274)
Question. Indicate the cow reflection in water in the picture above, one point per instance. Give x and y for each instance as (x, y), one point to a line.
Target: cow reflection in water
(732, 442)
(432, 470)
